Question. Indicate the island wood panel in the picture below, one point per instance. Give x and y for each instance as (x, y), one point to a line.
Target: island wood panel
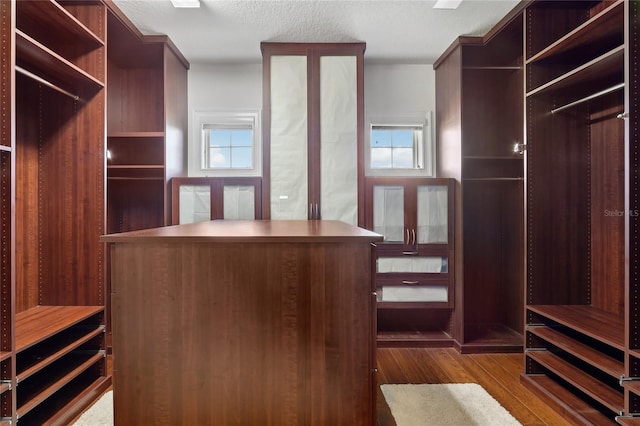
(275, 331)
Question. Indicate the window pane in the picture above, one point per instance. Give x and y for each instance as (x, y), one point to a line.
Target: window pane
(220, 157)
(402, 158)
(403, 138)
(219, 138)
(381, 158)
(242, 137)
(380, 138)
(241, 158)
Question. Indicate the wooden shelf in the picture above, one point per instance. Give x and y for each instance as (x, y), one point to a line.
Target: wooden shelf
(592, 387)
(413, 305)
(60, 23)
(586, 353)
(40, 60)
(74, 407)
(593, 322)
(63, 377)
(4, 387)
(63, 348)
(436, 338)
(136, 135)
(563, 401)
(37, 324)
(628, 421)
(4, 355)
(633, 386)
(605, 25)
(606, 67)
(491, 338)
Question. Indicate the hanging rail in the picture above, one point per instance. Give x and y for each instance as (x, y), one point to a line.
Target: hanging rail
(588, 98)
(45, 82)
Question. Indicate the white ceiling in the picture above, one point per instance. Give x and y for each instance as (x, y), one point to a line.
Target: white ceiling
(395, 31)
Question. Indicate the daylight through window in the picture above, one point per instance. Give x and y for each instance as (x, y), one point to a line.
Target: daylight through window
(397, 147)
(228, 146)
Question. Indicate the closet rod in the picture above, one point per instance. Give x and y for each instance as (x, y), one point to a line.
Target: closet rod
(45, 82)
(588, 98)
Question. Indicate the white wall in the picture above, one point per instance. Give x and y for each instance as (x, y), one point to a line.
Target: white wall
(392, 92)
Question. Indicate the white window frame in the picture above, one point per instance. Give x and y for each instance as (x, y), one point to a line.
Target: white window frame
(426, 151)
(232, 119)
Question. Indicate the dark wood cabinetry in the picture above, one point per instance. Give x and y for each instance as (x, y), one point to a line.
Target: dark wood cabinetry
(479, 117)
(313, 124)
(146, 125)
(414, 279)
(52, 200)
(581, 198)
(277, 293)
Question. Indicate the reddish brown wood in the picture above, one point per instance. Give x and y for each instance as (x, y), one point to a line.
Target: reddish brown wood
(479, 117)
(260, 306)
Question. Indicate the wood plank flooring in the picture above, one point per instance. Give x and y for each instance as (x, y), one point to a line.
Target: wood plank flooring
(499, 374)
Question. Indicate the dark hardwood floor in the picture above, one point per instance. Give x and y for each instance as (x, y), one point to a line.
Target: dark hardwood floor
(499, 374)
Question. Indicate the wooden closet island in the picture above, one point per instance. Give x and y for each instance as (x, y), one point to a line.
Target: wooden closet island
(244, 322)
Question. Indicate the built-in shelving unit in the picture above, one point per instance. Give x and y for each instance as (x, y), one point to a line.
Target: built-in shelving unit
(147, 95)
(479, 93)
(578, 150)
(52, 294)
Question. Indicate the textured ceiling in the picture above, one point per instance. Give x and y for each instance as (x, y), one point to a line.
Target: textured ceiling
(395, 31)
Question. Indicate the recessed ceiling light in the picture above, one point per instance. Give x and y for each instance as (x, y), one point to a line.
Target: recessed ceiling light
(185, 3)
(447, 4)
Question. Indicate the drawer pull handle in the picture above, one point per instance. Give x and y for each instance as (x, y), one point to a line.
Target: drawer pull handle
(409, 282)
(410, 253)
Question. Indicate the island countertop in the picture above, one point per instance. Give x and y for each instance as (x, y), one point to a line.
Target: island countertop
(249, 230)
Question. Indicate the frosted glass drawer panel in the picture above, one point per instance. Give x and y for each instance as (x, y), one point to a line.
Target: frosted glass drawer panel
(432, 214)
(413, 294)
(195, 203)
(388, 212)
(239, 202)
(419, 264)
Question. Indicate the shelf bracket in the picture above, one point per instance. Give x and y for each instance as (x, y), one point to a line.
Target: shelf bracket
(624, 379)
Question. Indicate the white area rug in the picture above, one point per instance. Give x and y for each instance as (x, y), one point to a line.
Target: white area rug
(99, 414)
(453, 404)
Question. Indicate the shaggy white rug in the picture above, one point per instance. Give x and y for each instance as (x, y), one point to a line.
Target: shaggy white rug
(99, 414)
(452, 404)
(411, 405)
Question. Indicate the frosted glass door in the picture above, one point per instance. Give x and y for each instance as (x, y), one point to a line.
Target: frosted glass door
(388, 213)
(432, 214)
(289, 188)
(239, 202)
(338, 138)
(195, 203)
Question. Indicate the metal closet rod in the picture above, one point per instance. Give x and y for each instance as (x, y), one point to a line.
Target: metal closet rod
(588, 98)
(45, 82)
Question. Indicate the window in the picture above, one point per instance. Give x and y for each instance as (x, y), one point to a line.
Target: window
(228, 146)
(396, 147)
(228, 143)
(400, 146)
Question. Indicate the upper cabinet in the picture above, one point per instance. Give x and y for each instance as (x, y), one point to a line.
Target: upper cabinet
(581, 99)
(313, 131)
